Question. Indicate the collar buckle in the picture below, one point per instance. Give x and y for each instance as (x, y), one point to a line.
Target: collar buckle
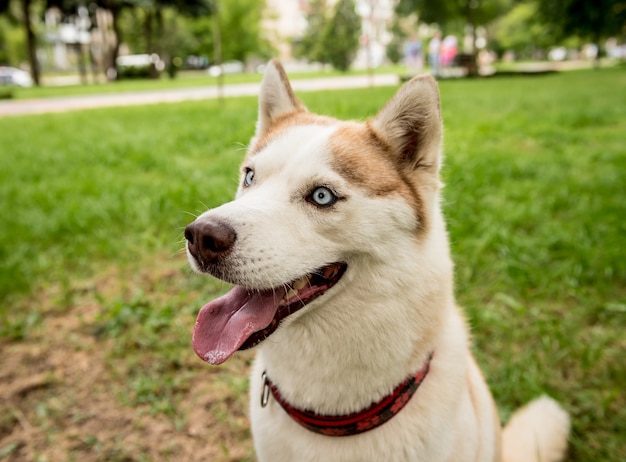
(265, 392)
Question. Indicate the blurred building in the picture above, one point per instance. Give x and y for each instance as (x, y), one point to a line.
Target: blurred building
(286, 21)
(66, 35)
(77, 39)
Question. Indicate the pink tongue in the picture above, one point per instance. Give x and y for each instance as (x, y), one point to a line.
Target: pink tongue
(224, 324)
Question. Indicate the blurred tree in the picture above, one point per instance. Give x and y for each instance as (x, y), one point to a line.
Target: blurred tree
(440, 12)
(310, 47)
(443, 12)
(521, 31)
(589, 19)
(242, 36)
(341, 35)
(12, 42)
(26, 15)
(154, 26)
(177, 41)
(115, 7)
(399, 36)
(201, 29)
(330, 38)
(4, 26)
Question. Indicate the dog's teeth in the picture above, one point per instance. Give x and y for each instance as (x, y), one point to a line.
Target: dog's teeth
(301, 283)
(291, 293)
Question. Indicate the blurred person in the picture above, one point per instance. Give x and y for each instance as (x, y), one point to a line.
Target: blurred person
(413, 55)
(434, 53)
(449, 49)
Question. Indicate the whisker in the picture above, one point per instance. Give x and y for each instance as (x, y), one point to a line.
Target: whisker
(193, 215)
(206, 207)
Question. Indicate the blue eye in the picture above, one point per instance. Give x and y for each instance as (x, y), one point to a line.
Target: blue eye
(322, 196)
(249, 176)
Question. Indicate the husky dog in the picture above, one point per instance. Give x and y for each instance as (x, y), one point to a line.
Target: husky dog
(338, 252)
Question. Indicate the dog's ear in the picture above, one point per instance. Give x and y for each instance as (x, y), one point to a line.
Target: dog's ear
(276, 98)
(411, 125)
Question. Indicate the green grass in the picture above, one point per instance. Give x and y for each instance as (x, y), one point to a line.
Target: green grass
(535, 200)
(110, 185)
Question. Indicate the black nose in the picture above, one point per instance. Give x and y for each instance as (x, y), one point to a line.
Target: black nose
(209, 240)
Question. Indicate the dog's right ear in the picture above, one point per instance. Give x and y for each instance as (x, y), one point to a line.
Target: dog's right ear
(410, 124)
(276, 98)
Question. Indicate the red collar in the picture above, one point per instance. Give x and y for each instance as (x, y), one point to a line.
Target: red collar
(358, 422)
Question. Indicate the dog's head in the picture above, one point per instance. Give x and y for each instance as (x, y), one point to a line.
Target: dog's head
(318, 200)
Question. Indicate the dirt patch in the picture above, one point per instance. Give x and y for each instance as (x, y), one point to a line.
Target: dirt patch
(66, 393)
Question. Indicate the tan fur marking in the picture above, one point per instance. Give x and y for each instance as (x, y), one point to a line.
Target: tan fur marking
(361, 157)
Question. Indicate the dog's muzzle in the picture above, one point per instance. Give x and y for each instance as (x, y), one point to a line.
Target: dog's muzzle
(209, 240)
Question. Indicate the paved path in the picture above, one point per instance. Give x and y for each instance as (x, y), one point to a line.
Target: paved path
(72, 103)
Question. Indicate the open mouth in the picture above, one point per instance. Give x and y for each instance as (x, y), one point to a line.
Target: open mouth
(243, 318)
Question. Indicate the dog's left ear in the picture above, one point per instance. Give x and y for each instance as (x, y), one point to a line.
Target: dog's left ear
(411, 125)
(276, 98)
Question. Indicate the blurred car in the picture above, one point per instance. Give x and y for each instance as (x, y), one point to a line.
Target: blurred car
(196, 62)
(14, 77)
(229, 67)
(142, 65)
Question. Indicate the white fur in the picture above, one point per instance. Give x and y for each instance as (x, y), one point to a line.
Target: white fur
(393, 306)
(537, 432)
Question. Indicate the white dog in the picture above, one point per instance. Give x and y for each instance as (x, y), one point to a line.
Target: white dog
(338, 251)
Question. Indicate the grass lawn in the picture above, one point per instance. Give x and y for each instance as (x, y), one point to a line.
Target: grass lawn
(97, 303)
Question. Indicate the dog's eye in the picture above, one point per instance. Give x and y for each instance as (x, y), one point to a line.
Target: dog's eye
(322, 196)
(249, 176)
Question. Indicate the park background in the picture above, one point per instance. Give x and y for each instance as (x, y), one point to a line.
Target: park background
(97, 302)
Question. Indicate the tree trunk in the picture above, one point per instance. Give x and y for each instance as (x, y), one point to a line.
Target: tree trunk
(110, 65)
(160, 29)
(31, 42)
(149, 36)
(161, 49)
(472, 69)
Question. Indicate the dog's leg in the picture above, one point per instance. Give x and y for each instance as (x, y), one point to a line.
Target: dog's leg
(536, 433)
